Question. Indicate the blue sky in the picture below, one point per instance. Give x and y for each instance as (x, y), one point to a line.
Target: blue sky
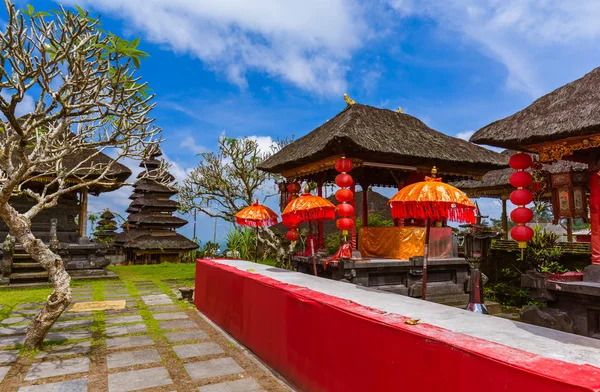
(271, 68)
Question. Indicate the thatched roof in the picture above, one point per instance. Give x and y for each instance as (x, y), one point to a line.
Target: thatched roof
(147, 185)
(496, 182)
(161, 243)
(384, 136)
(569, 111)
(148, 201)
(142, 219)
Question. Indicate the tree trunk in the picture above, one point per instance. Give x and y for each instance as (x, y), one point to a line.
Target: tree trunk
(281, 254)
(20, 228)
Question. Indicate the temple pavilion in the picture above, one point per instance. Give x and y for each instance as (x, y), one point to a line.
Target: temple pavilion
(150, 235)
(388, 149)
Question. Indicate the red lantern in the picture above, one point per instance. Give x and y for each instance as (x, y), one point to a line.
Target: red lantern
(521, 197)
(343, 165)
(344, 195)
(536, 186)
(292, 235)
(292, 221)
(345, 223)
(522, 233)
(521, 215)
(520, 161)
(344, 180)
(521, 179)
(293, 187)
(345, 209)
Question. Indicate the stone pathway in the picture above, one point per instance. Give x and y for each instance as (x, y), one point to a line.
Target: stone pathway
(155, 344)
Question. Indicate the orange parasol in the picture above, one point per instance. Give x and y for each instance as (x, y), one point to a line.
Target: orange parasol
(257, 216)
(307, 208)
(432, 200)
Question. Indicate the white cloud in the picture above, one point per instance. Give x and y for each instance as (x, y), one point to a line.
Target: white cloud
(264, 143)
(306, 43)
(466, 135)
(534, 40)
(189, 142)
(26, 106)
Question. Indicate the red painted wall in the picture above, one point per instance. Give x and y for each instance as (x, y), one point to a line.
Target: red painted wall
(323, 343)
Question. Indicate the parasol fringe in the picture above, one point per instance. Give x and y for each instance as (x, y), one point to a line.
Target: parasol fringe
(315, 214)
(254, 223)
(435, 211)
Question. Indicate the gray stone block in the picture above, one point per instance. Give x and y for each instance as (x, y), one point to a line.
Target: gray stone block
(14, 330)
(79, 385)
(170, 316)
(245, 385)
(11, 340)
(69, 349)
(162, 299)
(72, 324)
(591, 273)
(73, 315)
(164, 308)
(126, 329)
(138, 379)
(8, 356)
(16, 319)
(212, 368)
(182, 336)
(131, 358)
(58, 368)
(31, 305)
(197, 349)
(128, 342)
(124, 319)
(3, 372)
(178, 324)
(124, 311)
(70, 335)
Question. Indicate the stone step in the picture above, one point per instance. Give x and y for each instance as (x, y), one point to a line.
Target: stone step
(18, 256)
(27, 267)
(29, 277)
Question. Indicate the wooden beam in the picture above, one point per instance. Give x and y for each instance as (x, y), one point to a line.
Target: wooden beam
(83, 206)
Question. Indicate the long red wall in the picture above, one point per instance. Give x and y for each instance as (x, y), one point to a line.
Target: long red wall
(323, 343)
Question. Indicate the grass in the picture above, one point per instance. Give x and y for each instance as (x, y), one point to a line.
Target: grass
(155, 272)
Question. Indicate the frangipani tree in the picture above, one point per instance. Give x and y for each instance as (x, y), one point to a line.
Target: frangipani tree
(88, 101)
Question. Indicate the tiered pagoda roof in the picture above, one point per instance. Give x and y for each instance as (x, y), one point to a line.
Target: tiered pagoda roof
(106, 228)
(151, 224)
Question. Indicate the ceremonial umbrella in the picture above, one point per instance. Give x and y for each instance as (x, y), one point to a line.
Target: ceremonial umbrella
(257, 216)
(432, 200)
(308, 208)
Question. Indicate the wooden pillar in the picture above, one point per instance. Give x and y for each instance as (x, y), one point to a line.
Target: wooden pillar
(320, 235)
(353, 231)
(83, 205)
(570, 230)
(595, 216)
(365, 204)
(504, 218)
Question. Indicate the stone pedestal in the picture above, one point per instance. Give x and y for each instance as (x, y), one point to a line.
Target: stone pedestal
(591, 273)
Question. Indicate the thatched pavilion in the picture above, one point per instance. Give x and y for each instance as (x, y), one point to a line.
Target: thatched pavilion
(387, 148)
(564, 124)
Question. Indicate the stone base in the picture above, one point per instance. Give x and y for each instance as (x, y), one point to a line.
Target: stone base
(591, 273)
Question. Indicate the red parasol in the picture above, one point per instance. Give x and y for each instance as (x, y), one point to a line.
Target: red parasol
(257, 216)
(307, 208)
(432, 200)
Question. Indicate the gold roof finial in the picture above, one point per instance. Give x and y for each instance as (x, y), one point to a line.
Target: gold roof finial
(400, 109)
(349, 101)
(433, 171)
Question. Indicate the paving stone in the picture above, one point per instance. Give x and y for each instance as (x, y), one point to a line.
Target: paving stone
(58, 368)
(125, 329)
(15, 320)
(138, 379)
(245, 385)
(26, 312)
(130, 358)
(212, 368)
(157, 299)
(70, 335)
(124, 319)
(182, 336)
(79, 385)
(12, 340)
(14, 330)
(3, 372)
(170, 316)
(31, 305)
(8, 356)
(128, 342)
(197, 349)
(72, 324)
(69, 349)
(164, 308)
(178, 324)
(113, 312)
(73, 315)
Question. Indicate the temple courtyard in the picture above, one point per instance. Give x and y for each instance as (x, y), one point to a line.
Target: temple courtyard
(155, 343)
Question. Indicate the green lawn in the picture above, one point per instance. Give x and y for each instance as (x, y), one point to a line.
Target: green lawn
(155, 272)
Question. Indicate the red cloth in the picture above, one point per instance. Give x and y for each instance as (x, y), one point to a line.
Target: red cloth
(595, 216)
(323, 343)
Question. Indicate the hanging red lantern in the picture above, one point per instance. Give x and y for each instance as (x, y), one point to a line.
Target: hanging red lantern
(345, 210)
(521, 197)
(521, 179)
(293, 187)
(292, 235)
(536, 186)
(344, 180)
(344, 195)
(345, 223)
(522, 234)
(521, 215)
(520, 161)
(292, 221)
(343, 165)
